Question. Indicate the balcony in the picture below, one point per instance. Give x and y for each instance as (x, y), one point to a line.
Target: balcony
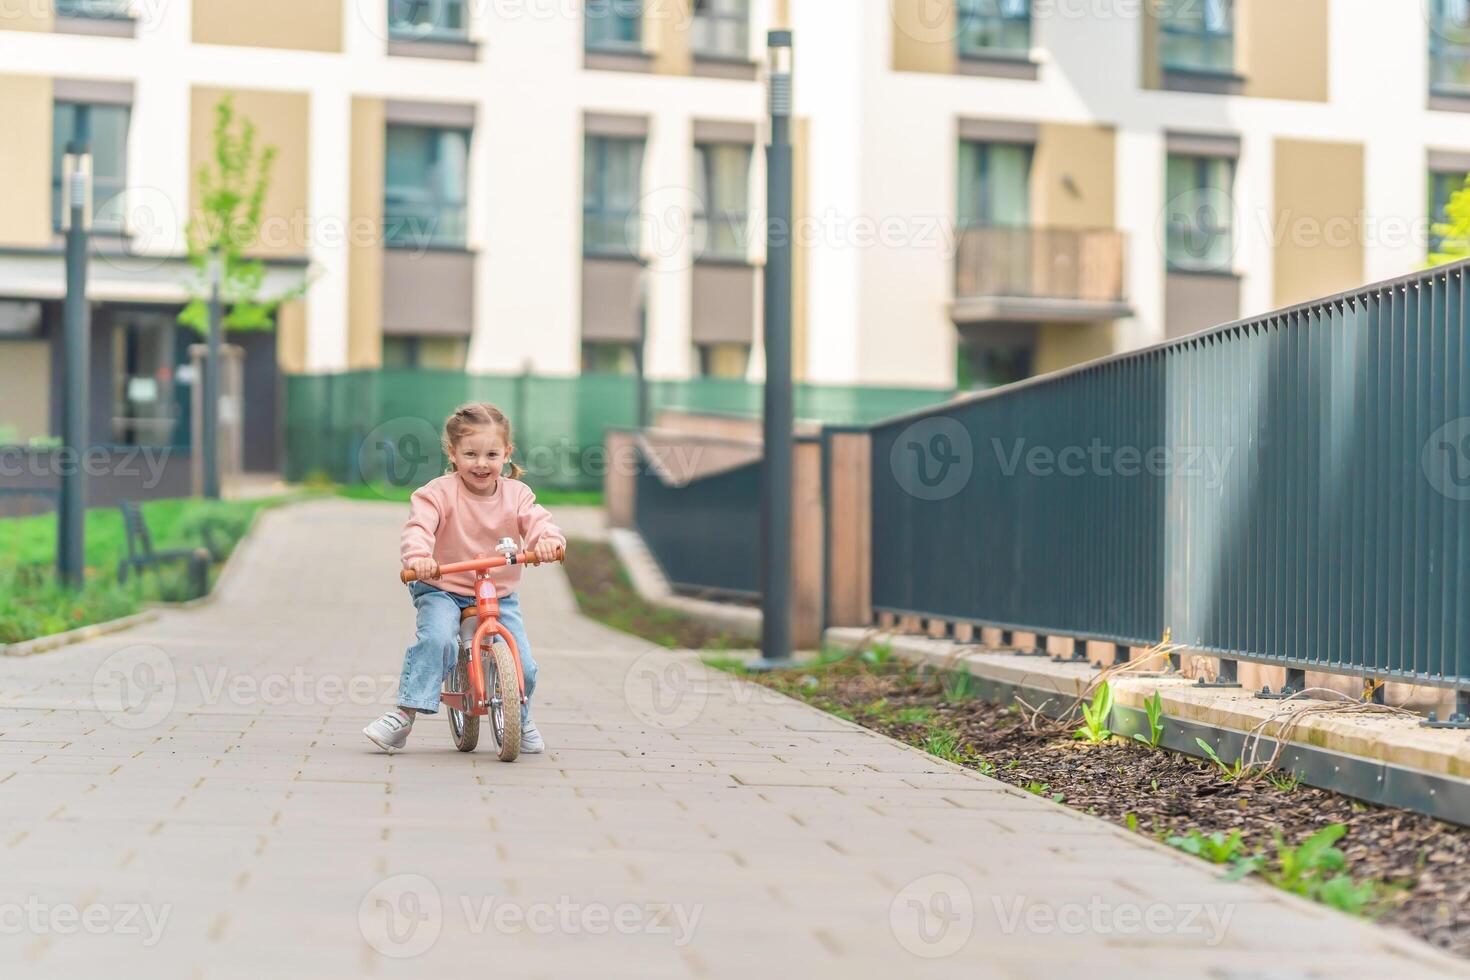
(1039, 275)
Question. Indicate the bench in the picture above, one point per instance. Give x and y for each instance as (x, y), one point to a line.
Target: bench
(142, 556)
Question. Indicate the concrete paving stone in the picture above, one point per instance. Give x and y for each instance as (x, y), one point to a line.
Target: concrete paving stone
(297, 821)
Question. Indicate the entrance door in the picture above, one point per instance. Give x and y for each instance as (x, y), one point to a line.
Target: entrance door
(148, 398)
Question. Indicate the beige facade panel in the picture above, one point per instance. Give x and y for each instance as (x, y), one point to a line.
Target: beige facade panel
(27, 15)
(430, 293)
(25, 161)
(666, 28)
(1282, 49)
(281, 120)
(724, 303)
(1197, 301)
(1318, 220)
(924, 33)
(25, 377)
(1072, 177)
(291, 337)
(1062, 345)
(365, 251)
(610, 299)
(287, 24)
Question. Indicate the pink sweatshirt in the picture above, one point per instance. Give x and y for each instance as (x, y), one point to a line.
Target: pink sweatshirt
(449, 524)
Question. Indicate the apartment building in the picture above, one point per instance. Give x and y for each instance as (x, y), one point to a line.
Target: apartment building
(986, 189)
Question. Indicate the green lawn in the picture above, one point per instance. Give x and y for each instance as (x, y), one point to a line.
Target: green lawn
(31, 602)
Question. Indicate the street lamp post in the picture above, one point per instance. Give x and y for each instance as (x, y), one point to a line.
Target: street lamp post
(779, 413)
(77, 326)
(209, 438)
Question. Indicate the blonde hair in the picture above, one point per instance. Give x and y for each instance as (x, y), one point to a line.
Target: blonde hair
(471, 416)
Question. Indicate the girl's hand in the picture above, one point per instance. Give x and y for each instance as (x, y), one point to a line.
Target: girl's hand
(424, 568)
(549, 550)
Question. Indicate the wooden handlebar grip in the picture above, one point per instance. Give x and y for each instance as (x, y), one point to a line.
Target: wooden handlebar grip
(408, 575)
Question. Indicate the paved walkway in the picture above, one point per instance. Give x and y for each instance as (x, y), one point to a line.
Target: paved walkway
(193, 799)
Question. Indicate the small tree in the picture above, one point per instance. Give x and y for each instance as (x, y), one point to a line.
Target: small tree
(232, 192)
(1454, 232)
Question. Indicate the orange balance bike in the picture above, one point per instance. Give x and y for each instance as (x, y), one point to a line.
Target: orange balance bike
(486, 678)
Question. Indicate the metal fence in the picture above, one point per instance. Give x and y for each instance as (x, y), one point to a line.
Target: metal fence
(1290, 489)
(368, 426)
(704, 534)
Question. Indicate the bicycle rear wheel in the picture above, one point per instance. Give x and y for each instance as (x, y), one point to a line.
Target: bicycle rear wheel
(505, 701)
(464, 727)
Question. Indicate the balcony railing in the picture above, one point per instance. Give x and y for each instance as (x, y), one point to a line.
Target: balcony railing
(1058, 267)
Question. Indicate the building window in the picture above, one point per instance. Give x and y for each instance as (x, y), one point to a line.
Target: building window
(1200, 225)
(1442, 187)
(1449, 46)
(424, 187)
(429, 19)
(988, 27)
(109, 145)
(608, 358)
(95, 9)
(612, 175)
(724, 360)
(994, 184)
(431, 353)
(1197, 36)
(722, 183)
(722, 29)
(614, 25)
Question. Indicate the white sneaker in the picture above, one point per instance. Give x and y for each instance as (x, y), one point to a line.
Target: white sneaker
(390, 732)
(531, 742)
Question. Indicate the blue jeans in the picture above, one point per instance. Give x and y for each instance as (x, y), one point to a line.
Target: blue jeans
(432, 655)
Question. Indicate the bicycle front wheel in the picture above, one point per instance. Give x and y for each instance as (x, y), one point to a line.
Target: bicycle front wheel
(505, 701)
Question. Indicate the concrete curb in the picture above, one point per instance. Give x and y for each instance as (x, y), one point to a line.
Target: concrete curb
(648, 580)
(151, 610)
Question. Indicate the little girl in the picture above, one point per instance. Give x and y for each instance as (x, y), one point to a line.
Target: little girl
(453, 518)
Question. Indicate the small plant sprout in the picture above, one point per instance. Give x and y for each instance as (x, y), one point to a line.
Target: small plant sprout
(1038, 787)
(917, 715)
(986, 767)
(958, 685)
(945, 743)
(1095, 717)
(1131, 820)
(1155, 708)
(878, 654)
(1216, 848)
(1285, 782)
(1231, 773)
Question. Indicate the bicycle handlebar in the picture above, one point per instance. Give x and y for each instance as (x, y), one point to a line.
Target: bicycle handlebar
(483, 564)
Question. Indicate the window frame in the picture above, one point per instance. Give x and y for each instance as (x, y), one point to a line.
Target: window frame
(1444, 48)
(110, 186)
(438, 9)
(1200, 184)
(612, 11)
(595, 210)
(618, 348)
(707, 210)
(95, 9)
(740, 17)
(986, 194)
(1202, 35)
(440, 207)
(970, 14)
(1453, 181)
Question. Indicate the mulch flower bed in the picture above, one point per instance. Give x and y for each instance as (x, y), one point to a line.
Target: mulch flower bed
(1423, 863)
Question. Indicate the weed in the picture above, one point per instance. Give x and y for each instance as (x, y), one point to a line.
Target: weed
(958, 685)
(1095, 717)
(1217, 848)
(878, 654)
(1285, 782)
(1131, 820)
(918, 715)
(986, 767)
(1155, 707)
(945, 743)
(1012, 763)
(1231, 773)
(1038, 787)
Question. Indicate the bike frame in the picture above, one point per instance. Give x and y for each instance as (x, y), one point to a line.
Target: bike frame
(487, 608)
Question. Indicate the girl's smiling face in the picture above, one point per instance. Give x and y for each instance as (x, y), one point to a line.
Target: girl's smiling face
(478, 457)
